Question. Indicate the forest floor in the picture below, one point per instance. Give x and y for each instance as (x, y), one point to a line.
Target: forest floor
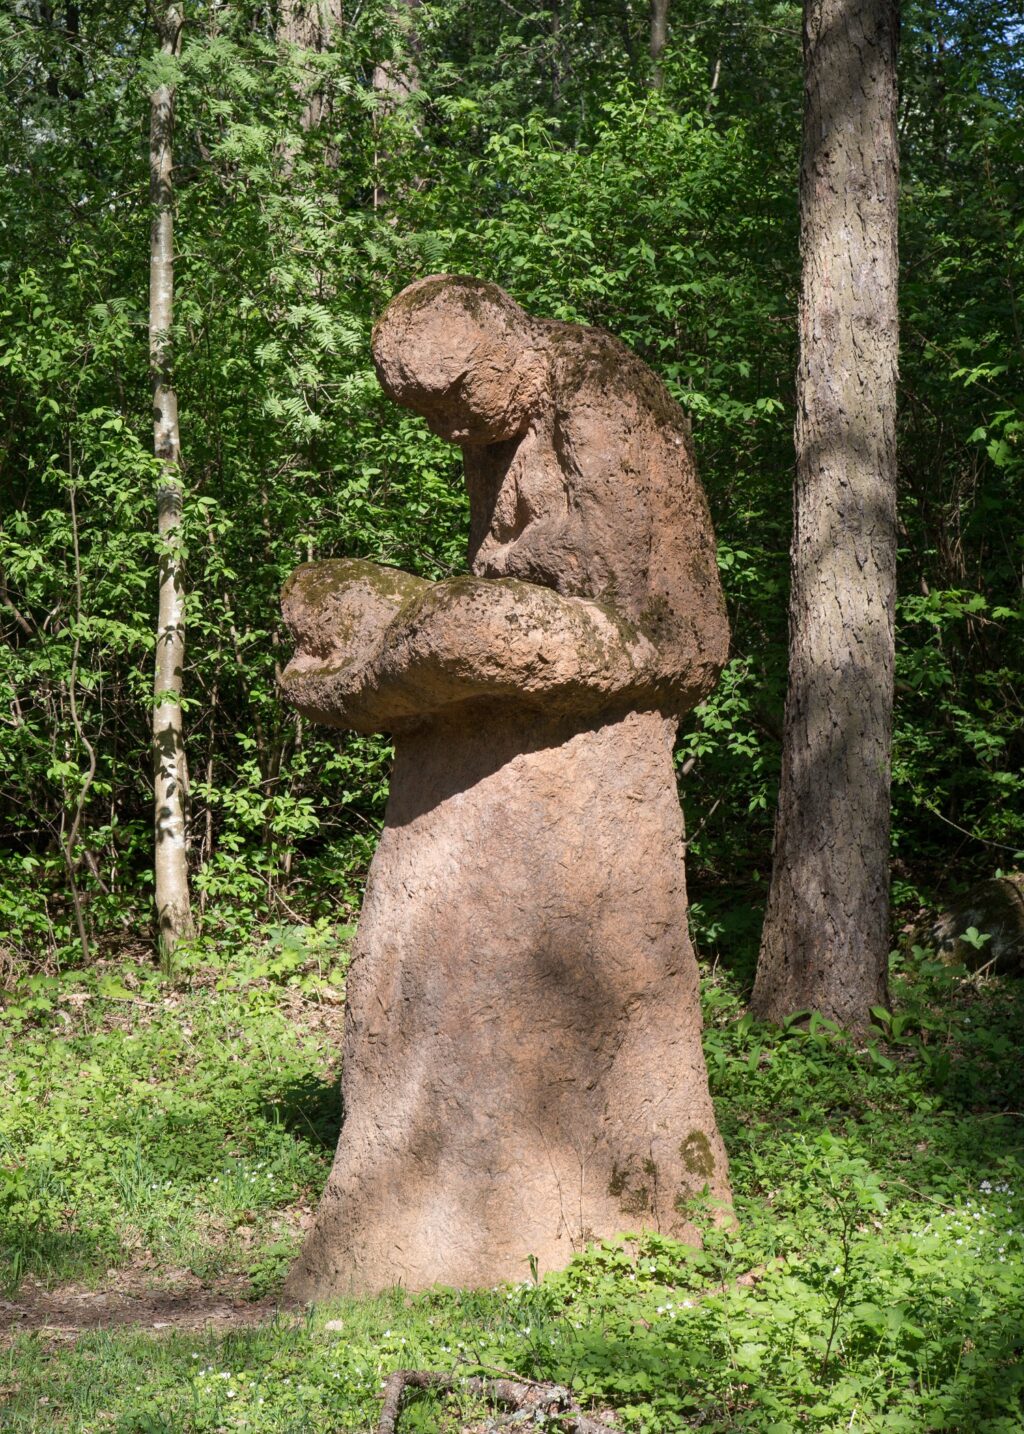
(163, 1144)
(177, 1301)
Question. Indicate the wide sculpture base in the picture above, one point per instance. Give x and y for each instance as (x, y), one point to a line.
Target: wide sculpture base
(525, 1081)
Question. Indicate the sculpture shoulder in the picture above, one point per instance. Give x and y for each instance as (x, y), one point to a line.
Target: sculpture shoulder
(592, 368)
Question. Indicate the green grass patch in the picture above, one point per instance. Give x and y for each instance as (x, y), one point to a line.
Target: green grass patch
(160, 1128)
(872, 1283)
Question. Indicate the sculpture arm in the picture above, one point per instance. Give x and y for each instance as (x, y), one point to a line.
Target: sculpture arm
(339, 613)
(421, 648)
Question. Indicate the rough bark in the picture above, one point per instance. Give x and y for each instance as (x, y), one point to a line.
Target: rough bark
(826, 932)
(170, 772)
(659, 38)
(523, 1068)
(307, 24)
(395, 81)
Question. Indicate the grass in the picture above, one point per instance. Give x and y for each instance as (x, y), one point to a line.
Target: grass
(873, 1282)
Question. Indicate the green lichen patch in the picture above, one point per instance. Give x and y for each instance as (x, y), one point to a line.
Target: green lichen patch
(317, 583)
(636, 1202)
(697, 1154)
(619, 1181)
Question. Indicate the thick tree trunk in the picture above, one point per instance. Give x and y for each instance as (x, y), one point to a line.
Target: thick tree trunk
(659, 36)
(826, 932)
(170, 773)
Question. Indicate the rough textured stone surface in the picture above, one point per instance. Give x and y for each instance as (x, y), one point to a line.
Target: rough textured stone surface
(523, 1069)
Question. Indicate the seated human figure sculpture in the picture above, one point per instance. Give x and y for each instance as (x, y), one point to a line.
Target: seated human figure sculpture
(522, 1067)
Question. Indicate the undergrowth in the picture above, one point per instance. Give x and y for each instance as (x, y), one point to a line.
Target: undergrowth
(871, 1282)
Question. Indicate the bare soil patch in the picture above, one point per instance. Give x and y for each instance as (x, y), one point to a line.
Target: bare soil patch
(185, 1303)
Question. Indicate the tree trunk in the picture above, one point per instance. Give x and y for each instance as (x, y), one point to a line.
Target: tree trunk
(308, 24)
(170, 772)
(659, 36)
(826, 933)
(394, 82)
(397, 79)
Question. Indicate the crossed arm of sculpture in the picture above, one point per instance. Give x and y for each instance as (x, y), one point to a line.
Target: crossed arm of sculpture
(377, 648)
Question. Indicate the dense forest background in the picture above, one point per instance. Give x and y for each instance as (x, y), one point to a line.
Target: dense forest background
(322, 161)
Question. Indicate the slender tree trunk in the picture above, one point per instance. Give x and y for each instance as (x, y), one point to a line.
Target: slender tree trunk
(170, 772)
(826, 932)
(556, 57)
(308, 24)
(659, 37)
(394, 82)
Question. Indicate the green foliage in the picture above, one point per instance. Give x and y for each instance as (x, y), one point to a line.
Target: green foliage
(533, 153)
(190, 1124)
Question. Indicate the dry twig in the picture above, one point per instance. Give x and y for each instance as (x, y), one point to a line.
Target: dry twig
(515, 1394)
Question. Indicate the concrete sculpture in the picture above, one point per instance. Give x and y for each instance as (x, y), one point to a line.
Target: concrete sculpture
(522, 1068)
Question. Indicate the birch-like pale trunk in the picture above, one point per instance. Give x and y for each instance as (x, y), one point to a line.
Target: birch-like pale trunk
(170, 770)
(826, 934)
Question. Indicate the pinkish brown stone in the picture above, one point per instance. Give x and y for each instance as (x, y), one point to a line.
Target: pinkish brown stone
(523, 1068)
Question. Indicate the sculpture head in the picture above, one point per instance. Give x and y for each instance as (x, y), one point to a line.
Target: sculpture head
(463, 355)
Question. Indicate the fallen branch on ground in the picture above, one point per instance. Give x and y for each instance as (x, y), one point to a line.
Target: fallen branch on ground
(515, 1394)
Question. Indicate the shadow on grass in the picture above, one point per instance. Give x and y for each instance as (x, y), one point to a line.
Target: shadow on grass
(309, 1108)
(53, 1254)
(976, 1066)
